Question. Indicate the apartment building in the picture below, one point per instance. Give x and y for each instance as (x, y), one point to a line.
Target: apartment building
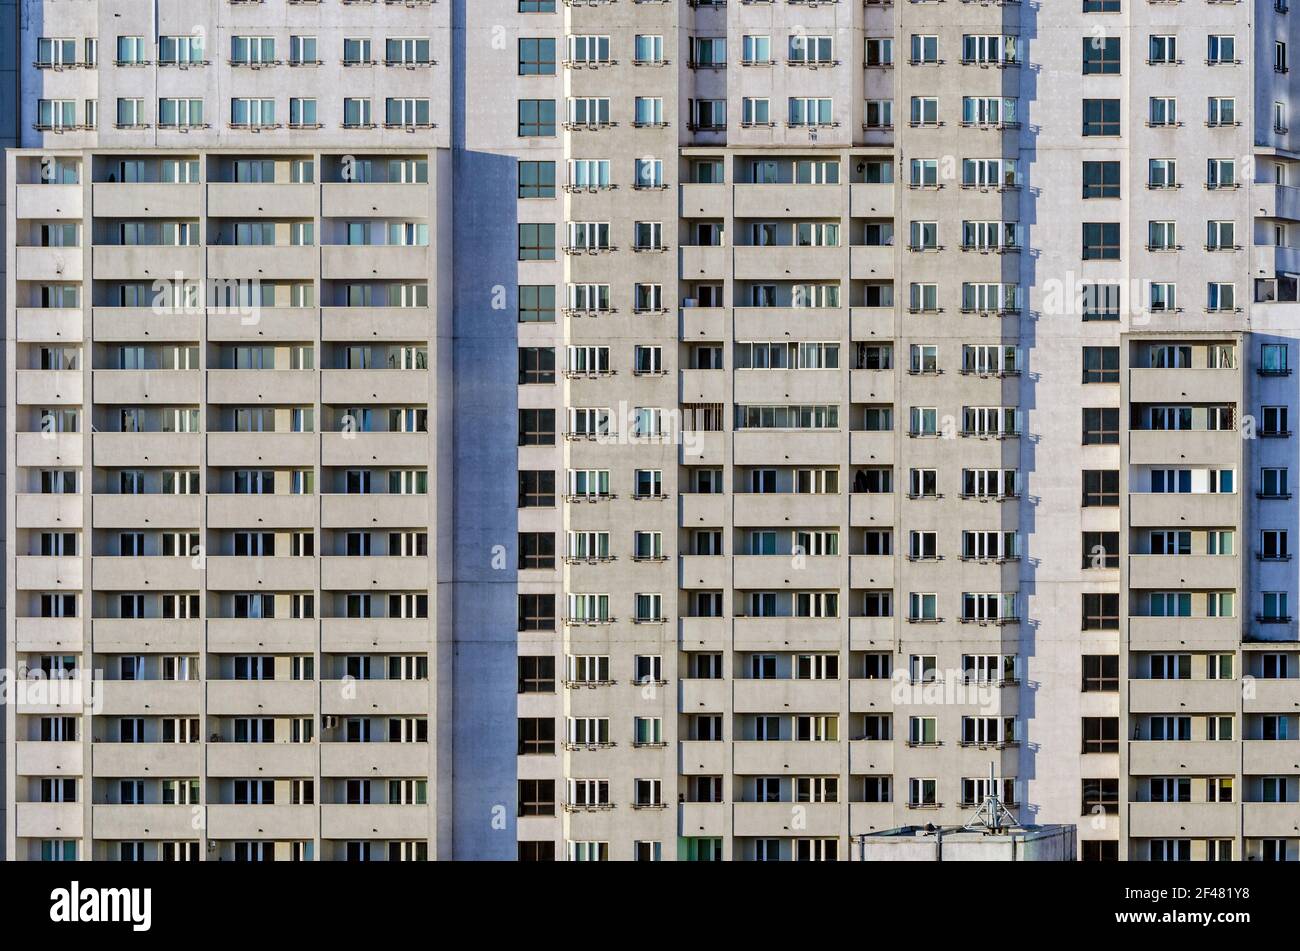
(807, 410)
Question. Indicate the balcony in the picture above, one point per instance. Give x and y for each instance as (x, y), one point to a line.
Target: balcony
(871, 200)
(786, 696)
(1184, 696)
(1172, 385)
(261, 511)
(707, 819)
(147, 200)
(49, 820)
(282, 387)
(705, 386)
(381, 448)
(132, 450)
(134, 387)
(377, 324)
(789, 262)
(268, 262)
(61, 265)
(261, 200)
(705, 262)
(1270, 757)
(871, 262)
(788, 200)
(1182, 757)
(376, 697)
(281, 449)
(135, 760)
(47, 201)
(146, 821)
(763, 509)
(391, 387)
(57, 635)
(788, 757)
(705, 201)
(346, 635)
(375, 262)
(262, 635)
(1203, 633)
(778, 819)
(381, 821)
(1191, 447)
(871, 571)
(145, 635)
(134, 324)
(374, 511)
(775, 447)
(1182, 571)
(378, 200)
(241, 760)
(264, 325)
(344, 760)
(261, 822)
(235, 573)
(264, 698)
(788, 571)
(49, 450)
(37, 758)
(1270, 819)
(60, 324)
(147, 262)
(136, 698)
(797, 386)
(1172, 510)
(154, 573)
(49, 387)
(376, 573)
(871, 757)
(39, 573)
(787, 633)
(1180, 819)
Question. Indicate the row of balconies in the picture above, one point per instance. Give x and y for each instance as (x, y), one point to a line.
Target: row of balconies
(246, 200)
(827, 634)
(222, 635)
(779, 572)
(225, 262)
(68, 820)
(223, 511)
(185, 450)
(1212, 819)
(786, 201)
(747, 263)
(760, 510)
(825, 386)
(224, 573)
(866, 324)
(190, 387)
(265, 325)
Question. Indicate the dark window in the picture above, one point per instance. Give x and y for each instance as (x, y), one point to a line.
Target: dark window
(1101, 364)
(1100, 116)
(1100, 487)
(1101, 612)
(1101, 549)
(1100, 302)
(537, 612)
(1101, 179)
(536, 365)
(537, 427)
(541, 851)
(536, 549)
(1101, 734)
(1101, 6)
(1100, 796)
(1100, 426)
(536, 489)
(537, 56)
(548, 6)
(1100, 241)
(1100, 673)
(537, 673)
(536, 179)
(537, 242)
(536, 303)
(1100, 56)
(1100, 850)
(537, 117)
(537, 797)
(536, 735)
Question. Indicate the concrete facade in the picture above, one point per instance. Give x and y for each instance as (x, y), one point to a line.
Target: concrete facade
(802, 406)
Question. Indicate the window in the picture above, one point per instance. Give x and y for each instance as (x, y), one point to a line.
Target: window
(1100, 797)
(536, 117)
(537, 674)
(537, 56)
(1221, 111)
(536, 797)
(1100, 612)
(536, 550)
(1100, 673)
(536, 179)
(1100, 734)
(1100, 550)
(1101, 364)
(537, 243)
(1101, 55)
(536, 612)
(1101, 241)
(1101, 179)
(536, 488)
(1100, 487)
(536, 303)
(1100, 426)
(537, 427)
(1101, 117)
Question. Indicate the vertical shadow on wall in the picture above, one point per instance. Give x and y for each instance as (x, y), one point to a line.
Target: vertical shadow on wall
(484, 552)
